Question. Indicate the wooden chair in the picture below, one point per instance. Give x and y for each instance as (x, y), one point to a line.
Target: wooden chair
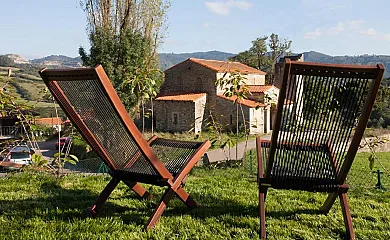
(91, 103)
(322, 113)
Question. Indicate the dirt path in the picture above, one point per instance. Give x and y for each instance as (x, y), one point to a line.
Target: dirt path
(385, 147)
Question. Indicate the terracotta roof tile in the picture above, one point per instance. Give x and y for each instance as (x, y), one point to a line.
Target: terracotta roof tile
(48, 121)
(245, 102)
(226, 66)
(184, 97)
(260, 88)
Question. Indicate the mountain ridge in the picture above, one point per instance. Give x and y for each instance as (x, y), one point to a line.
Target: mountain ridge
(167, 60)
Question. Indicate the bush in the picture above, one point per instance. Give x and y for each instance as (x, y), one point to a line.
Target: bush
(81, 149)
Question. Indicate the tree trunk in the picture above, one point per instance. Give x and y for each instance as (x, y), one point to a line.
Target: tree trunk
(152, 115)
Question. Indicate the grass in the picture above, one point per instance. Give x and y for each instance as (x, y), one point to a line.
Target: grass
(41, 207)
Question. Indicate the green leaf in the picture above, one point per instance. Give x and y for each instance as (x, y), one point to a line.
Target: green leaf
(73, 157)
(371, 159)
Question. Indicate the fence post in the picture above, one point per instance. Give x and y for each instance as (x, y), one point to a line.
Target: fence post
(250, 162)
(103, 168)
(379, 183)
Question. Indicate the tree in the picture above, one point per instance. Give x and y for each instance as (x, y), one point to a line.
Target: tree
(259, 50)
(263, 56)
(277, 48)
(380, 115)
(233, 85)
(5, 61)
(124, 37)
(245, 57)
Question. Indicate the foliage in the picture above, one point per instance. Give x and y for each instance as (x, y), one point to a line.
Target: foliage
(36, 206)
(5, 61)
(233, 85)
(380, 115)
(263, 56)
(365, 59)
(167, 60)
(259, 49)
(372, 143)
(81, 149)
(278, 47)
(24, 93)
(123, 60)
(124, 36)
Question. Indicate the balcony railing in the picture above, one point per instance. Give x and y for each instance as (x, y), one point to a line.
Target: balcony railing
(10, 130)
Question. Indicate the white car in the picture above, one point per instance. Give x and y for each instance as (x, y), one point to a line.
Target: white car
(19, 155)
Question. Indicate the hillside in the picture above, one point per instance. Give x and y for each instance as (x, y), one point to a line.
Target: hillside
(365, 59)
(57, 60)
(167, 60)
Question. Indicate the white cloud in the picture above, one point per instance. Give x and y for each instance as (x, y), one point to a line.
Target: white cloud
(355, 26)
(369, 32)
(336, 29)
(225, 7)
(386, 37)
(208, 25)
(313, 35)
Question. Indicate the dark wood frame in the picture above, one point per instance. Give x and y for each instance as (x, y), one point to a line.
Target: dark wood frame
(174, 184)
(331, 70)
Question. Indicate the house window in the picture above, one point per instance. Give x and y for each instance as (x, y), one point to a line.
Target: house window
(180, 84)
(175, 118)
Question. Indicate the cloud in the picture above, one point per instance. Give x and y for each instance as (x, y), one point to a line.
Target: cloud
(369, 32)
(355, 26)
(340, 27)
(225, 7)
(336, 29)
(386, 37)
(208, 25)
(313, 35)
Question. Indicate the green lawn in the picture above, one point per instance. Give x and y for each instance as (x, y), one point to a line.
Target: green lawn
(40, 207)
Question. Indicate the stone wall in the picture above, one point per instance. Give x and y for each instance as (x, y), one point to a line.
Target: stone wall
(225, 114)
(180, 116)
(189, 77)
(175, 116)
(200, 109)
(251, 79)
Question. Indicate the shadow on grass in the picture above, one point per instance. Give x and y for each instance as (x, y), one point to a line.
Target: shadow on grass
(58, 203)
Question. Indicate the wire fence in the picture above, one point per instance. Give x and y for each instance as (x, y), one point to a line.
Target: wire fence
(91, 165)
(360, 176)
(364, 177)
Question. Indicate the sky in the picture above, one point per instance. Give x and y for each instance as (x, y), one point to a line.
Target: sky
(39, 28)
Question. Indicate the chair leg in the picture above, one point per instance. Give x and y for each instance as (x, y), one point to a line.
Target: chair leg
(346, 216)
(97, 205)
(262, 194)
(186, 198)
(139, 190)
(325, 208)
(160, 208)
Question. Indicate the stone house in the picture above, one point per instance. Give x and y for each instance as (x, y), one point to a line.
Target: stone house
(189, 96)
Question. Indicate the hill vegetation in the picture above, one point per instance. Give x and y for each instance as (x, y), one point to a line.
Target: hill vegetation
(167, 60)
(365, 59)
(26, 83)
(57, 60)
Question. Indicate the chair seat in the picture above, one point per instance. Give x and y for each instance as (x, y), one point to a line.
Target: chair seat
(298, 169)
(173, 154)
